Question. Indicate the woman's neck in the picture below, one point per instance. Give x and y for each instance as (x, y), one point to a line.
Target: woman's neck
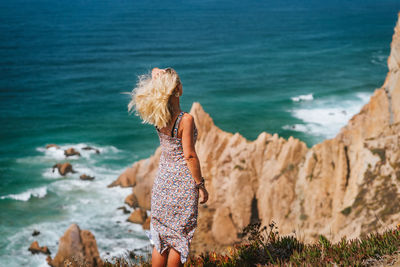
(176, 108)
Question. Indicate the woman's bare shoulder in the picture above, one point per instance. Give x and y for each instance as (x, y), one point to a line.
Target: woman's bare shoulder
(187, 118)
(187, 121)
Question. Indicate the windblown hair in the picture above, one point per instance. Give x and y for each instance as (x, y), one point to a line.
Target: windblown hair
(151, 97)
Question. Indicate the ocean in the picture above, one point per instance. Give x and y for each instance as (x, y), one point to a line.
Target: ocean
(295, 68)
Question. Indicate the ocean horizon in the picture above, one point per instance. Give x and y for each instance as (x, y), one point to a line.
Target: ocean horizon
(295, 68)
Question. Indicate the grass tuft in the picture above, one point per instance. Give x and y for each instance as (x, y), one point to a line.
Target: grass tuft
(262, 245)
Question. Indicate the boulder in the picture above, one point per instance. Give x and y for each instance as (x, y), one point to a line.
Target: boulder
(35, 232)
(64, 168)
(71, 152)
(126, 179)
(35, 248)
(146, 224)
(138, 216)
(132, 201)
(86, 177)
(77, 248)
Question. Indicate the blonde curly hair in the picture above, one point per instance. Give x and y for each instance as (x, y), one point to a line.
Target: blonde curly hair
(151, 96)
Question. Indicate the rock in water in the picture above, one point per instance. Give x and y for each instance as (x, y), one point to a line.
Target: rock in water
(132, 201)
(35, 248)
(91, 148)
(138, 216)
(71, 152)
(146, 224)
(64, 168)
(52, 145)
(124, 209)
(86, 177)
(77, 248)
(35, 232)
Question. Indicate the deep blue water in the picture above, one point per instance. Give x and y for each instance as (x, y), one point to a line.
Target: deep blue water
(64, 65)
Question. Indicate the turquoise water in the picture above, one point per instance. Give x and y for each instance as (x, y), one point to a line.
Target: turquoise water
(296, 68)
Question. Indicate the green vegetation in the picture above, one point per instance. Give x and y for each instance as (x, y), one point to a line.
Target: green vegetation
(380, 152)
(240, 168)
(263, 246)
(346, 211)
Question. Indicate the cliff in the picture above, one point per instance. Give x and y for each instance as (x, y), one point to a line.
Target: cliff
(344, 186)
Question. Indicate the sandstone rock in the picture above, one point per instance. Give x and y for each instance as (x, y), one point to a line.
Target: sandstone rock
(132, 201)
(141, 172)
(138, 216)
(64, 168)
(71, 152)
(344, 186)
(76, 248)
(35, 248)
(146, 224)
(223, 229)
(126, 179)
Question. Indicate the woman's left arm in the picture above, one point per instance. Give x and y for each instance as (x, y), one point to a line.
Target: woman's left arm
(189, 150)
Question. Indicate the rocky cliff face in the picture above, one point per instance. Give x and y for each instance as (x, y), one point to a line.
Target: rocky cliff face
(344, 186)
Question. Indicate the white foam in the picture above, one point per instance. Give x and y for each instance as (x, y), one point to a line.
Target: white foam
(90, 204)
(325, 117)
(302, 98)
(58, 153)
(39, 192)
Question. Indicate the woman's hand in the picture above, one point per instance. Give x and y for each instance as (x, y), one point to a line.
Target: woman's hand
(203, 195)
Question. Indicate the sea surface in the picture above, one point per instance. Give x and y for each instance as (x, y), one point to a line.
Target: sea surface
(295, 68)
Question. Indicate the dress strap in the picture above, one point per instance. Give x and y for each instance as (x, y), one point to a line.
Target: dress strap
(176, 125)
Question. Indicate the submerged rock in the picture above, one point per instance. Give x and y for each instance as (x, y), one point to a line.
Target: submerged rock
(86, 177)
(91, 148)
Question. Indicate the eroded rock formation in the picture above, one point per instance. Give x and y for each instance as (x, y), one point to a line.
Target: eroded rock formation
(76, 248)
(344, 186)
(35, 248)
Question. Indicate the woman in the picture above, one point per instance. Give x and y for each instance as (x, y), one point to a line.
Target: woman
(178, 182)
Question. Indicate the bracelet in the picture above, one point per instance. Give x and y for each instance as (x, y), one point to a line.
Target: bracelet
(201, 184)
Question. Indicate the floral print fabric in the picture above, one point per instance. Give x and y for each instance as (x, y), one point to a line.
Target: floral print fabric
(174, 197)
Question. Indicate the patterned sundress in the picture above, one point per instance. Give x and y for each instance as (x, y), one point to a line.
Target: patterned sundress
(174, 197)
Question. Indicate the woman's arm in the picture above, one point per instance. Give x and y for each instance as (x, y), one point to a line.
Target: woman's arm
(190, 154)
(188, 147)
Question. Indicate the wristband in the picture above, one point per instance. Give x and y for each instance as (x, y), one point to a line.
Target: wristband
(201, 184)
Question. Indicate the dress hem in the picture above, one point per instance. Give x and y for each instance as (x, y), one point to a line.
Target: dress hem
(157, 245)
